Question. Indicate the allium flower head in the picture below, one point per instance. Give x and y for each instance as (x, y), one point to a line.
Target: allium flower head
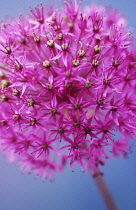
(67, 88)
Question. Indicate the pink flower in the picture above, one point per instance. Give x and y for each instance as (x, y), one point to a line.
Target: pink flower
(67, 88)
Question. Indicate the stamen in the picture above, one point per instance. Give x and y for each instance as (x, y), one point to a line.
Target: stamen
(50, 43)
(97, 49)
(61, 130)
(68, 84)
(100, 101)
(64, 47)
(4, 83)
(3, 122)
(30, 102)
(77, 106)
(81, 53)
(53, 111)
(16, 117)
(116, 63)
(87, 84)
(46, 64)
(37, 39)
(3, 98)
(75, 63)
(60, 36)
(32, 121)
(15, 92)
(76, 124)
(49, 86)
(95, 63)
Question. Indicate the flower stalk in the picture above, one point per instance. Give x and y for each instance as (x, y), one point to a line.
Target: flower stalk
(105, 193)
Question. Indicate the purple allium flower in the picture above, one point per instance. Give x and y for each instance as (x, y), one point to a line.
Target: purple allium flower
(67, 88)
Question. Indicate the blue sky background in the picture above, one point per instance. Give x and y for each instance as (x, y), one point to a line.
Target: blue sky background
(70, 190)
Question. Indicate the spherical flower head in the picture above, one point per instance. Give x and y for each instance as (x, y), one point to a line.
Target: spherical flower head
(67, 88)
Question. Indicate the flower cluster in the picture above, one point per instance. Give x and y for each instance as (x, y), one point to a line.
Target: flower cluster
(67, 88)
